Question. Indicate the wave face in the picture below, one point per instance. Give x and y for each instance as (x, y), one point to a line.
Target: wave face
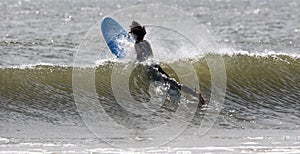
(262, 91)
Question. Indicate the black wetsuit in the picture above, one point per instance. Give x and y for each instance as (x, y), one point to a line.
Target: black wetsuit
(155, 72)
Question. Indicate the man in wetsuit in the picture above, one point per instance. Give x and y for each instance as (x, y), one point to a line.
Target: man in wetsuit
(154, 71)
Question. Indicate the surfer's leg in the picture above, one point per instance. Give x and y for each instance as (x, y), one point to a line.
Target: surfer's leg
(154, 74)
(174, 86)
(161, 75)
(194, 93)
(160, 70)
(158, 74)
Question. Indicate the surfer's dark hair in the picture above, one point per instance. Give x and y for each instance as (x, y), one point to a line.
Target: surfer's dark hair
(139, 31)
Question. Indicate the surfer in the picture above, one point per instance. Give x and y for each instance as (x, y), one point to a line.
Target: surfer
(155, 72)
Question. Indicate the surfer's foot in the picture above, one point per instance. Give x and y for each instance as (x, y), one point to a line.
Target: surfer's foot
(201, 98)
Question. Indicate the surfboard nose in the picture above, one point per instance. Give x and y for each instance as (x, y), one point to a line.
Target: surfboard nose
(111, 32)
(111, 28)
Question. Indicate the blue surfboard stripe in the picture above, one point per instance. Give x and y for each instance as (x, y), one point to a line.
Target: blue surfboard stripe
(112, 31)
(114, 46)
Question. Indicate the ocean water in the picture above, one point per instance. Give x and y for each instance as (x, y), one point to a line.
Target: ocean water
(63, 92)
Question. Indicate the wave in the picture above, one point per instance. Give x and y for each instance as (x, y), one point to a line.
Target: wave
(264, 89)
(190, 56)
(259, 88)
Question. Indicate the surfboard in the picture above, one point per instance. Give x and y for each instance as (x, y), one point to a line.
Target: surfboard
(112, 33)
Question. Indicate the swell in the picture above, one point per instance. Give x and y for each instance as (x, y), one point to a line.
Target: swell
(264, 89)
(42, 93)
(258, 89)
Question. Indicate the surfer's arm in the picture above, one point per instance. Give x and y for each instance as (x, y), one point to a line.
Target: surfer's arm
(138, 52)
(149, 47)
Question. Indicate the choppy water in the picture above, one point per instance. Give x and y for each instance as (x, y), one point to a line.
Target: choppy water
(258, 40)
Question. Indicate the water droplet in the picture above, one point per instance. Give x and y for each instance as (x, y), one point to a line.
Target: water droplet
(139, 138)
(257, 11)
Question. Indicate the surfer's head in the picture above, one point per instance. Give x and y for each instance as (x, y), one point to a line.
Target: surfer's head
(137, 31)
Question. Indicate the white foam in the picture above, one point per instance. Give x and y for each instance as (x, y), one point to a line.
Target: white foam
(4, 140)
(26, 66)
(266, 53)
(184, 53)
